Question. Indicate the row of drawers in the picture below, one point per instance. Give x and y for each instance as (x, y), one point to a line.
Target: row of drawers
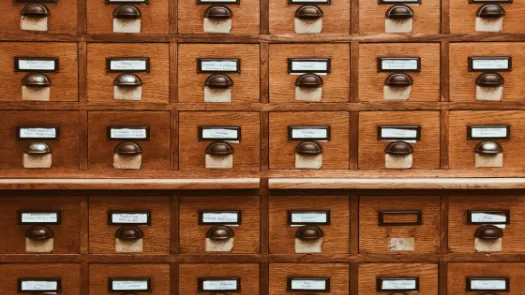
(373, 278)
(232, 224)
(149, 140)
(232, 72)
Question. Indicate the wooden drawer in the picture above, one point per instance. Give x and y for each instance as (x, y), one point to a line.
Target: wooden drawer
(61, 17)
(219, 73)
(476, 223)
(219, 140)
(399, 72)
(334, 17)
(382, 132)
(128, 72)
(292, 134)
(40, 225)
(209, 278)
(107, 279)
(39, 71)
(486, 127)
(399, 224)
(53, 133)
(492, 72)
(309, 277)
(464, 17)
(230, 225)
(474, 278)
(330, 83)
(148, 135)
(153, 19)
(377, 278)
(309, 224)
(36, 278)
(203, 16)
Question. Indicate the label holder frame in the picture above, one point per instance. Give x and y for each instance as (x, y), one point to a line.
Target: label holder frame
(111, 212)
(57, 212)
(145, 127)
(218, 59)
(471, 60)
(381, 58)
(109, 59)
(381, 217)
(200, 130)
(299, 127)
(380, 280)
(494, 211)
(202, 222)
(58, 280)
(290, 279)
(20, 127)
(471, 126)
(55, 59)
(130, 279)
(201, 280)
(291, 60)
(290, 213)
(417, 128)
(506, 279)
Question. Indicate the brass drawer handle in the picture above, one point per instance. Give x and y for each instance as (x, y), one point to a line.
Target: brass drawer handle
(126, 12)
(309, 148)
(399, 12)
(490, 11)
(488, 232)
(219, 148)
(39, 233)
(36, 80)
(490, 80)
(37, 148)
(220, 233)
(218, 81)
(309, 232)
(218, 12)
(309, 81)
(399, 148)
(128, 148)
(488, 148)
(129, 233)
(309, 12)
(34, 10)
(398, 80)
(127, 80)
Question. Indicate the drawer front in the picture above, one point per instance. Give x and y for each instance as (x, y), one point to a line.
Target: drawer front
(382, 132)
(35, 278)
(57, 217)
(208, 278)
(127, 225)
(219, 73)
(228, 226)
(327, 133)
(326, 218)
(106, 150)
(472, 153)
(474, 278)
(330, 84)
(39, 71)
(335, 17)
(378, 279)
(243, 17)
(464, 17)
(153, 19)
(203, 145)
(58, 140)
(128, 72)
(476, 223)
(399, 224)
(390, 72)
(287, 278)
(61, 17)
(108, 279)
(501, 65)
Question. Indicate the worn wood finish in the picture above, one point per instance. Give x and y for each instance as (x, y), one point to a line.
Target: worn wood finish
(338, 274)
(463, 17)
(426, 272)
(100, 273)
(68, 272)
(458, 273)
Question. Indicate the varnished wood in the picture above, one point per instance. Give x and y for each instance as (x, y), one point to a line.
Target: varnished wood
(427, 274)
(458, 273)
(338, 274)
(68, 272)
(100, 273)
(463, 17)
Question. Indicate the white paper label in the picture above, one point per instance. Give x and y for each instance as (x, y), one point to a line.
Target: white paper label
(310, 133)
(309, 217)
(39, 217)
(219, 1)
(39, 286)
(128, 65)
(220, 217)
(129, 285)
(28, 133)
(314, 285)
(490, 64)
(309, 66)
(488, 217)
(219, 65)
(398, 133)
(400, 1)
(398, 285)
(131, 218)
(220, 133)
(135, 1)
(222, 285)
(488, 285)
(128, 133)
(478, 132)
(36, 65)
(309, 1)
(398, 64)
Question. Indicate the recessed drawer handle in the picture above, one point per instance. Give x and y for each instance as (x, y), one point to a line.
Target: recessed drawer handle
(36, 80)
(309, 81)
(398, 80)
(37, 148)
(219, 148)
(218, 12)
(309, 232)
(127, 80)
(491, 11)
(490, 80)
(399, 12)
(128, 148)
(218, 81)
(488, 148)
(309, 148)
(129, 233)
(488, 232)
(39, 232)
(127, 12)
(34, 10)
(309, 12)
(220, 233)
(399, 148)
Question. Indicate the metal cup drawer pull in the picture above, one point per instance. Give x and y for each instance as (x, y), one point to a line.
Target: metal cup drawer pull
(398, 85)
(218, 85)
(39, 237)
(488, 153)
(126, 19)
(36, 85)
(220, 237)
(37, 153)
(219, 153)
(129, 237)
(34, 17)
(309, 85)
(489, 236)
(128, 154)
(489, 17)
(399, 150)
(309, 235)
(399, 19)
(127, 85)
(309, 151)
(309, 17)
(489, 84)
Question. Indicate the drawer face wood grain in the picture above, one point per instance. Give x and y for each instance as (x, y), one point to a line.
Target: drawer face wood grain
(426, 274)
(459, 273)
(282, 273)
(336, 238)
(466, 216)
(64, 150)
(463, 82)
(335, 150)
(462, 150)
(201, 278)
(64, 82)
(196, 221)
(68, 274)
(155, 150)
(192, 83)
(100, 276)
(426, 151)
(105, 220)
(335, 84)
(399, 224)
(246, 154)
(372, 80)
(463, 16)
(101, 83)
(245, 16)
